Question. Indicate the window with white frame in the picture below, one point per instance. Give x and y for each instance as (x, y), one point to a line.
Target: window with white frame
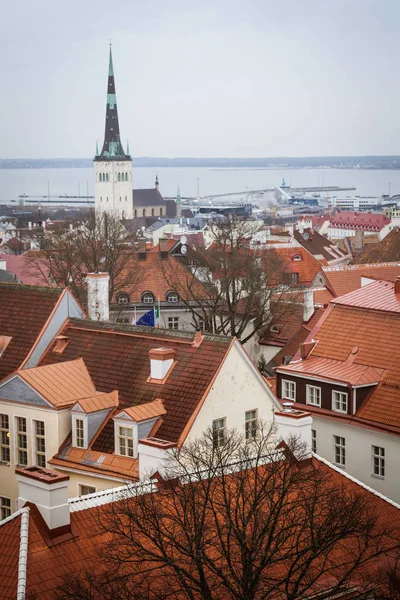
(313, 395)
(173, 322)
(339, 450)
(5, 507)
(84, 490)
(219, 432)
(313, 440)
(125, 441)
(339, 401)
(172, 297)
(378, 461)
(40, 443)
(4, 438)
(79, 433)
(288, 389)
(22, 441)
(251, 422)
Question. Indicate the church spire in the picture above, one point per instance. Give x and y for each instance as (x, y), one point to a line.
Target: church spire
(112, 147)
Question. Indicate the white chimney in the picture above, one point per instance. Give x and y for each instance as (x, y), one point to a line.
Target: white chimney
(294, 423)
(161, 360)
(3, 266)
(98, 303)
(308, 310)
(47, 489)
(29, 224)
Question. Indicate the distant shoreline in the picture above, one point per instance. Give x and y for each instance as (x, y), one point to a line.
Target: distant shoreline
(220, 164)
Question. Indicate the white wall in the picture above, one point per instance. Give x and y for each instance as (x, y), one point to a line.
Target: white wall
(57, 427)
(119, 193)
(236, 390)
(359, 453)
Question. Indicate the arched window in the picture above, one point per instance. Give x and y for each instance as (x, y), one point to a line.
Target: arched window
(152, 212)
(120, 198)
(119, 176)
(106, 176)
(147, 298)
(161, 212)
(135, 212)
(297, 257)
(123, 298)
(126, 176)
(107, 198)
(172, 297)
(144, 212)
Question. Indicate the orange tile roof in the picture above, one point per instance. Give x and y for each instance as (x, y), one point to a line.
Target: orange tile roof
(307, 267)
(146, 411)
(98, 402)
(159, 276)
(60, 384)
(379, 295)
(342, 280)
(93, 461)
(335, 370)
(375, 331)
(24, 311)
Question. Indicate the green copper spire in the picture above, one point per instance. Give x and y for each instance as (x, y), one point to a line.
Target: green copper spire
(127, 147)
(97, 148)
(178, 196)
(110, 64)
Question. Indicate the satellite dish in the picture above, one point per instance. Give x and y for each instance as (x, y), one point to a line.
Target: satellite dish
(183, 249)
(306, 235)
(183, 239)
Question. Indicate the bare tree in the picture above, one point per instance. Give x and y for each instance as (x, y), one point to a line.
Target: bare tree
(93, 245)
(242, 287)
(241, 520)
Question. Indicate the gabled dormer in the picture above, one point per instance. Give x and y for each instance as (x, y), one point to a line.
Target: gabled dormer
(136, 423)
(88, 415)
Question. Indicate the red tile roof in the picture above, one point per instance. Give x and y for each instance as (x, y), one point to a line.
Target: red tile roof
(365, 221)
(117, 358)
(342, 280)
(24, 310)
(369, 320)
(159, 276)
(23, 267)
(306, 268)
(48, 562)
(146, 411)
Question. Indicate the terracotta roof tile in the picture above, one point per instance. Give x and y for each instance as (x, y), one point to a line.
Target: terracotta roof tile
(98, 402)
(335, 370)
(24, 312)
(9, 558)
(60, 384)
(366, 221)
(306, 268)
(378, 295)
(146, 411)
(117, 358)
(342, 280)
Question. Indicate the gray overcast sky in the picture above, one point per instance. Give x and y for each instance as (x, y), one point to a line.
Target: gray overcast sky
(207, 78)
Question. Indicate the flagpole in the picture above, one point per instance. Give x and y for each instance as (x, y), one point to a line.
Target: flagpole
(159, 312)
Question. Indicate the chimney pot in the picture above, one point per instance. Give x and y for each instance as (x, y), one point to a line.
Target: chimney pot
(47, 489)
(98, 302)
(161, 361)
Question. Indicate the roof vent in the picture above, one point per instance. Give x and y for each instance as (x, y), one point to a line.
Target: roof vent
(61, 343)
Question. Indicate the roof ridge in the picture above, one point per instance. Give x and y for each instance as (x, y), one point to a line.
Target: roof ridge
(357, 481)
(37, 288)
(23, 554)
(79, 503)
(355, 267)
(13, 516)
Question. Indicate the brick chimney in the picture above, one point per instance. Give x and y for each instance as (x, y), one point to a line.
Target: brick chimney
(141, 243)
(163, 245)
(98, 303)
(161, 360)
(397, 285)
(47, 489)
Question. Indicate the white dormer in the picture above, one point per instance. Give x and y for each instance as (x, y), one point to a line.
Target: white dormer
(88, 415)
(161, 363)
(136, 423)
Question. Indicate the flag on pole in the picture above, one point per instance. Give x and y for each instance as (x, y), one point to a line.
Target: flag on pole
(157, 313)
(147, 318)
(134, 317)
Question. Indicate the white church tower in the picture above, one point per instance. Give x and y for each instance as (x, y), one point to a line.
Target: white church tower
(112, 167)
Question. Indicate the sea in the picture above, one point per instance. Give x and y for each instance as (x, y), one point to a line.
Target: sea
(194, 181)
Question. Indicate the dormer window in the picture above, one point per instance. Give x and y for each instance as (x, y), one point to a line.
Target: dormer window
(172, 297)
(274, 329)
(148, 298)
(125, 441)
(79, 431)
(297, 257)
(123, 298)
